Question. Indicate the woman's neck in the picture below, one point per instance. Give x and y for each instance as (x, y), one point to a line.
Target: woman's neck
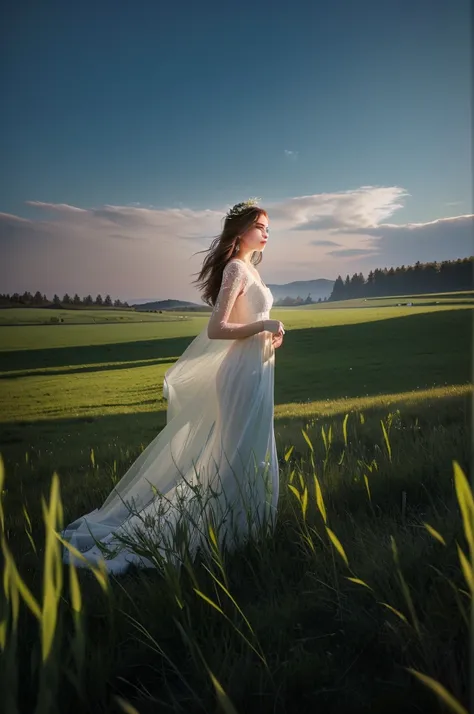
(246, 257)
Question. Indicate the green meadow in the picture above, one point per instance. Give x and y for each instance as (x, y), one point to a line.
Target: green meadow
(358, 603)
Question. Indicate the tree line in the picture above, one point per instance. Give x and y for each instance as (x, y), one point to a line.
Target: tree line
(447, 276)
(294, 302)
(40, 300)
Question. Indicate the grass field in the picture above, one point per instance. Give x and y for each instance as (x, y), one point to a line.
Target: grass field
(310, 637)
(463, 297)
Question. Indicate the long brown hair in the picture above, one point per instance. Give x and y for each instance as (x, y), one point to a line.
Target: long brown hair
(224, 247)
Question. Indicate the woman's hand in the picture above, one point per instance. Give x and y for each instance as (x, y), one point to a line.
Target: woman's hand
(277, 341)
(274, 326)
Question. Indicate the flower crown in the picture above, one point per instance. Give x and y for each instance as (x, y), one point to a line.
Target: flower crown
(241, 207)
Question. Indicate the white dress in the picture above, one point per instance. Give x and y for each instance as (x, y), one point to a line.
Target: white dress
(215, 462)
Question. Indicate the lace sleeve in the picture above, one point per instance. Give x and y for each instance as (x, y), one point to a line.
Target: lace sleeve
(234, 282)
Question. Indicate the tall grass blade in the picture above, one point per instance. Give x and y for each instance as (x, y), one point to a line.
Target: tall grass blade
(358, 581)
(209, 601)
(325, 441)
(440, 692)
(387, 440)
(28, 530)
(100, 571)
(75, 590)
(467, 570)
(433, 532)
(2, 480)
(125, 706)
(222, 698)
(344, 429)
(319, 499)
(338, 545)
(3, 634)
(19, 583)
(367, 487)
(304, 502)
(294, 490)
(395, 611)
(307, 439)
(405, 588)
(466, 504)
(241, 613)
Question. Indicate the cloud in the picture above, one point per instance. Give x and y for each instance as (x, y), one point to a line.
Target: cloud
(182, 221)
(441, 239)
(350, 252)
(365, 207)
(121, 250)
(323, 242)
(56, 207)
(293, 155)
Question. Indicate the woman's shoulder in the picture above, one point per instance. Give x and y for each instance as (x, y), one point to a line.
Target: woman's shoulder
(236, 267)
(236, 270)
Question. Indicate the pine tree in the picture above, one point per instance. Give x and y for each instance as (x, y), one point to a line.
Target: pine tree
(26, 298)
(337, 289)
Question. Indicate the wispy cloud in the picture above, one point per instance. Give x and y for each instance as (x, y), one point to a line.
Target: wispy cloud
(364, 207)
(56, 207)
(351, 252)
(323, 243)
(293, 155)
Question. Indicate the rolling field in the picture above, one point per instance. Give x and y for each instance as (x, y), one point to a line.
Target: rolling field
(60, 383)
(311, 637)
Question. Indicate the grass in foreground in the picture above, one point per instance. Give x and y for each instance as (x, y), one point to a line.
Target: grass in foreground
(360, 583)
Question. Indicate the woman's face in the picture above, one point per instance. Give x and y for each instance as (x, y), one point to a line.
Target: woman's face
(256, 237)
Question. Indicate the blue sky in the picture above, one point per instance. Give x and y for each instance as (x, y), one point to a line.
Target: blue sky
(167, 115)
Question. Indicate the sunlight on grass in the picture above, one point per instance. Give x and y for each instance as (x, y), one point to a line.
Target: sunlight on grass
(341, 406)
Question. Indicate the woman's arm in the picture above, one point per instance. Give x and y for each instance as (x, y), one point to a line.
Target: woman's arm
(233, 283)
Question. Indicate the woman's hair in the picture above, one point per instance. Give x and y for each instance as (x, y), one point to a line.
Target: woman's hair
(237, 222)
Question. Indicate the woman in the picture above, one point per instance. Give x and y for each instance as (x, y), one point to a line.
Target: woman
(214, 464)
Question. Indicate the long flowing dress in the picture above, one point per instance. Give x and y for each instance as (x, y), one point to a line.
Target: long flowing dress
(215, 462)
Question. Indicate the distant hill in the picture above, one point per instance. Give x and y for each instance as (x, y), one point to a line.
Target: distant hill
(320, 288)
(167, 305)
